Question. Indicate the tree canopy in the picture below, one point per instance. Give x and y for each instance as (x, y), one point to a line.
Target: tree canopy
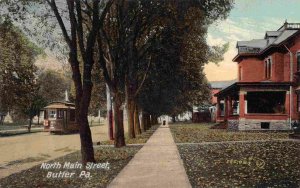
(17, 69)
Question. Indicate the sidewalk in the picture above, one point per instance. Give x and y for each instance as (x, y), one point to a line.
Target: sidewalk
(157, 164)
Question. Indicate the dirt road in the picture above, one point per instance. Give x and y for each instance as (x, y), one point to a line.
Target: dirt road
(24, 151)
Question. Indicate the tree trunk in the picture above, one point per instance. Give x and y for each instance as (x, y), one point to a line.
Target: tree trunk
(30, 123)
(142, 122)
(130, 109)
(87, 150)
(82, 101)
(39, 118)
(130, 118)
(173, 118)
(155, 122)
(147, 121)
(152, 119)
(109, 114)
(192, 111)
(136, 120)
(118, 122)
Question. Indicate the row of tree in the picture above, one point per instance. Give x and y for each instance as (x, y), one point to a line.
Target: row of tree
(151, 54)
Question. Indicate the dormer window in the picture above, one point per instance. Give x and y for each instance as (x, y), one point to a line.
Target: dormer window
(268, 68)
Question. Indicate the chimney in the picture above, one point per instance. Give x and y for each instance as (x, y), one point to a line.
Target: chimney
(285, 24)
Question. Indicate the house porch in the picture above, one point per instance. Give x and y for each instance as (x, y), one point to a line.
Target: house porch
(255, 106)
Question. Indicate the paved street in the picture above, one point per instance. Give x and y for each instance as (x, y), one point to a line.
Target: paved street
(24, 151)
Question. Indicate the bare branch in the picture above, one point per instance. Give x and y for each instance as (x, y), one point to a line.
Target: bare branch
(60, 21)
(143, 80)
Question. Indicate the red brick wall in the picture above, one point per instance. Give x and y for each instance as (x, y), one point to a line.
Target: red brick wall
(213, 98)
(252, 70)
(277, 67)
(294, 49)
(267, 116)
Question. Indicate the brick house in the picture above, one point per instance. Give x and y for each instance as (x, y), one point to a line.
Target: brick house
(267, 93)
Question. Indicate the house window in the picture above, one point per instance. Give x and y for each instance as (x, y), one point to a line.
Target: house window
(265, 125)
(268, 68)
(268, 102)
(222, 108)
(298, 61)
(235, 107)
(60, 114)
(52, 113)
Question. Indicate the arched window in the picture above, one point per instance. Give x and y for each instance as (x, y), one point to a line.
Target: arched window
(268, 68)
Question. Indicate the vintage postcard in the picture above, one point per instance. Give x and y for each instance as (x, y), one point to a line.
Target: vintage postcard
(149, 93)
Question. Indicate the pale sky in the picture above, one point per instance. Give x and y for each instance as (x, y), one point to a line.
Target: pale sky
(249, 19)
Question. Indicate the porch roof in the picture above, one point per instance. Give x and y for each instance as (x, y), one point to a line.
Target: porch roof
(235, 87)
(60, 105)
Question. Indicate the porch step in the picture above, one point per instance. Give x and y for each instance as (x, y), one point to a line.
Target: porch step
(221, 125)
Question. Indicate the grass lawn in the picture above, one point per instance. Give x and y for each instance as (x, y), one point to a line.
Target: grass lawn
(267, 164)
(272, 163)
(37, 177)
(196, 133)
(19, 132)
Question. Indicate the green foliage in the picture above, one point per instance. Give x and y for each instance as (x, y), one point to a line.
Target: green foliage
(52, 85)
(17, 69)
(25, 90)
(176, 81)
(216, 53)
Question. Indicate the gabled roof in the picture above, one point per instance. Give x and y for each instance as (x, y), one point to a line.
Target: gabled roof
(271, 39)
(221, 84)
(272, 34)
(284, 35)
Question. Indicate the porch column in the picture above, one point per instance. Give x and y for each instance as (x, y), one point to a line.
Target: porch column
(287, 103)
(226, 113)
(218, 108)
(242, 103)
(230, 111)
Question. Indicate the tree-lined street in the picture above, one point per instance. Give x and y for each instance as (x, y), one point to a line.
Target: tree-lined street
(133, 91)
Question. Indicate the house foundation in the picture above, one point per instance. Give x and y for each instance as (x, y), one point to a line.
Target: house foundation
(258, 124)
